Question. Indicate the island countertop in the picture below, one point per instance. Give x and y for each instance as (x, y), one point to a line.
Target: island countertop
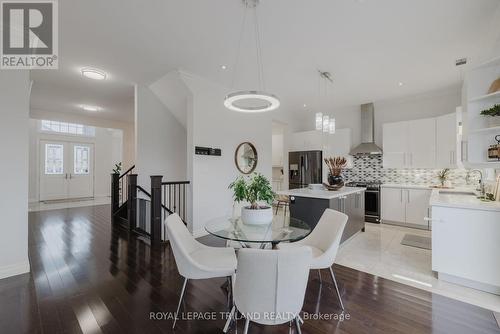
(321, 194)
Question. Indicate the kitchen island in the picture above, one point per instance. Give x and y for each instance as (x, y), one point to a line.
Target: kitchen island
(308, 205)
(466, 239)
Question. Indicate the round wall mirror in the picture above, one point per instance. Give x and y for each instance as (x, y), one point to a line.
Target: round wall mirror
(245, 157)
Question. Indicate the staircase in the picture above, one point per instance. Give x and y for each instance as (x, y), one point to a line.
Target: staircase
(144, 212)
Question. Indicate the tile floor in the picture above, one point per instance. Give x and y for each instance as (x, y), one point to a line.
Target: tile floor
(41, 206)
(378, 251)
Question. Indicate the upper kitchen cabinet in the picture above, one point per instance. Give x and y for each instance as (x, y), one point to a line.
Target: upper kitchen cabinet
(446, 141)
(277, 143)
(422, 143)
(307, 141)
(410, 144)
(339, 144)
(395, 144)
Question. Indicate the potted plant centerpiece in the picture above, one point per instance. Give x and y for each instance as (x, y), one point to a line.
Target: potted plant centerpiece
(335, 166)
(254, 189)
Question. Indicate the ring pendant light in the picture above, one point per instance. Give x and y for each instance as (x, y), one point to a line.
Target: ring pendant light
(260, 101)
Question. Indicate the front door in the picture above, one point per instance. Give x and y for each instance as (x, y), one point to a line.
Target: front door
(66, 170)
(81, 176)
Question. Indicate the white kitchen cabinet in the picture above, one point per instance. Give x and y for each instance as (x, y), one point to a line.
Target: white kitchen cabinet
(392, 205)
(417, 206)
(405, 206)
(395, 144)
(277, 143)
(422, 143)
(410, 144)
(307, 141)
(446, 141)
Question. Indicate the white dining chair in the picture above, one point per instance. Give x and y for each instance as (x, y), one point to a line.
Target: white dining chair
(270, 285)
(324, 241)
(195, 260)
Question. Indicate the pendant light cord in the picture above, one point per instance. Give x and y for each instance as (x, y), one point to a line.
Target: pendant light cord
(258, 48)
(238, 50)
(260, 66)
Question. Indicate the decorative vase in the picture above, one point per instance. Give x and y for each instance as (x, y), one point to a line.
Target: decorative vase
(495, 86)
(261, 216)
(336, 180)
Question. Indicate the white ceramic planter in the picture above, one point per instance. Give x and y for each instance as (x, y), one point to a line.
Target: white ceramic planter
(256, 216)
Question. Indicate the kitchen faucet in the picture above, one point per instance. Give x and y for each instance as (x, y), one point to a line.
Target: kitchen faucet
(481, 183)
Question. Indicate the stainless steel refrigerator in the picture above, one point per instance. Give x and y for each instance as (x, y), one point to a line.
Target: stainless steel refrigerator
(304, 168)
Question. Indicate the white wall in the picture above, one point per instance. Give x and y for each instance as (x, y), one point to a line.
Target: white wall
(107, 152)
(160, 141)
(210, 124)
(128, 150)
(14, 111)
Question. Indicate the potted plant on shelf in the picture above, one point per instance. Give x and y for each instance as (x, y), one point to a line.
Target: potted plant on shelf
(335, 166)
(254, 189)
(494, 115)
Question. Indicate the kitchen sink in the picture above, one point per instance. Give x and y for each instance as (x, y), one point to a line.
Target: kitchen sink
(463, 193)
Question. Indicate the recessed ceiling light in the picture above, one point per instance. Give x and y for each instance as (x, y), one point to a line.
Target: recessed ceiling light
(305, 105)
(400, 84)
(90, 108)
(224, 67)
(93, 73)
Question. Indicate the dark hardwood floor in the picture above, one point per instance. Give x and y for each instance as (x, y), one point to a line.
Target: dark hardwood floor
(88, 277)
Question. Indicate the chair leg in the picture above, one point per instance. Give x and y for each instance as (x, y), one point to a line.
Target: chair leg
(229, 320)
(297, 325)
(247, 323)
(336, 287)
(180, 301)
(320, 278)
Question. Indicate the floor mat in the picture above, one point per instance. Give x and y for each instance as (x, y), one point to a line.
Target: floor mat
(417, 241)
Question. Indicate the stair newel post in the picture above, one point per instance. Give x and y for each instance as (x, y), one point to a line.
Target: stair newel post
(132, 200)
(156, 209)
(115, 193)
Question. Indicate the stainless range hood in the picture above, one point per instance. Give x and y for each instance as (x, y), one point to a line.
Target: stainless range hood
(367, 145)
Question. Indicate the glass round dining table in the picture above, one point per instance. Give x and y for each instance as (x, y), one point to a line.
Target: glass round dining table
(281, 229)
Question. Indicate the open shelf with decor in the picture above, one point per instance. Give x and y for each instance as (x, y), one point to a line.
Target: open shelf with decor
(482, 89)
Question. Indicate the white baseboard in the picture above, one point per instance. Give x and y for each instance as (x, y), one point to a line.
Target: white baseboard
(14, 269)
(470, 283)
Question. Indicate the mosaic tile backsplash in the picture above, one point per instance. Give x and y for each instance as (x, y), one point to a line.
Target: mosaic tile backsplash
(369, 168)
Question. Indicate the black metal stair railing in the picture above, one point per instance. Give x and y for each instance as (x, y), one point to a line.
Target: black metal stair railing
(145, 212)
(119, 190)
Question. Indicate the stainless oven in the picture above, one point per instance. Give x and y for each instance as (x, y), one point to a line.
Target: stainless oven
(372, 200)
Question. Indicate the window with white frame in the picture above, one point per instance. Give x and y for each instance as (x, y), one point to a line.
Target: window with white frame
(81, 160)
(67, 128)
(54, 159)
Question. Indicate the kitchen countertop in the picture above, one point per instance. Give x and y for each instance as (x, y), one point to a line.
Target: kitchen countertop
(407, 186)
(461, 201)
(321, 194)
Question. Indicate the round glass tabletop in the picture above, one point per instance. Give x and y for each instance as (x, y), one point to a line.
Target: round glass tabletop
(281, 229)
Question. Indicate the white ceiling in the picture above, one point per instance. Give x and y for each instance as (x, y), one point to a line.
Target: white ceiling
(368, 45)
